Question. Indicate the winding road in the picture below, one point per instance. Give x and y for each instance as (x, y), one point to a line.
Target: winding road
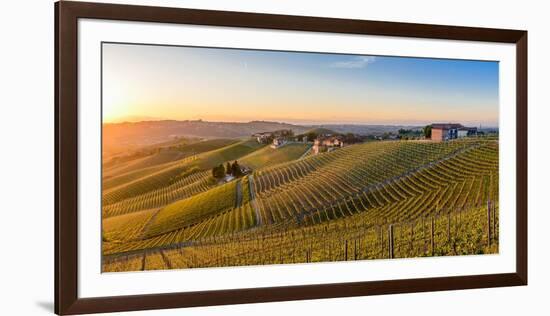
(306, 153)
(239, 198)
(253, 201)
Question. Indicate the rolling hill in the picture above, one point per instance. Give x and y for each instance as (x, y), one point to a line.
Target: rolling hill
(168, 154)
(268, 156)
(300, 201)
(121, 194)
(138, 134)
(320, 131)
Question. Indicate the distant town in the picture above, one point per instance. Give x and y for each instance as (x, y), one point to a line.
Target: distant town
(325, 140)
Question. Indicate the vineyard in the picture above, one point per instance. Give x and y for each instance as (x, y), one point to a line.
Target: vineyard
(380, 199)
(268, 156)
(473, 231)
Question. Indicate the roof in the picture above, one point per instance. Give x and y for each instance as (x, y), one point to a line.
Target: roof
(465, 128)
(446, 126)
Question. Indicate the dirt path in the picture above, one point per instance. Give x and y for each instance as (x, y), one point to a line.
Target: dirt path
(253, 201)
(307, 152)
(148, 224)
(239, 197)
(143, 261)
(165, 259)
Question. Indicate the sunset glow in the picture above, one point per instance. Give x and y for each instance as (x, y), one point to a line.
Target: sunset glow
(146, 82)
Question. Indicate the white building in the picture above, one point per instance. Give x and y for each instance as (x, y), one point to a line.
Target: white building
(278, 142)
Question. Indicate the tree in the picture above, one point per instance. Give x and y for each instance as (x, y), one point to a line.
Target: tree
(350, 138)
(311, 136)
(214, 172)
(236, 169)
(218, 171)
(428, 131)
(228, 168)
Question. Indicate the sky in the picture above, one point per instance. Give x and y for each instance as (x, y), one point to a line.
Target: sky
(148, 82)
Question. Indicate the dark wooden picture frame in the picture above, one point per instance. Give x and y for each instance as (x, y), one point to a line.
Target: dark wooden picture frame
(66, 159)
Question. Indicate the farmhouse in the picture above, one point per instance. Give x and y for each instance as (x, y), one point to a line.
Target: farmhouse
(327, 143)
(263, 138)
(467, 131)
(448, 131)
(269, 137)
(278, 142)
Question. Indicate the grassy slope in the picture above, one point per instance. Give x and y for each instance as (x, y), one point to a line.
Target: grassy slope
(315, 182)
(206, 146)
(126, 178)
(165, 156)
(189, 211)
(268, 156)
(187, 186)
(221, 199)
(117, 163)
(127, 226)
(159, 158)
(228, 153)
(152, 178)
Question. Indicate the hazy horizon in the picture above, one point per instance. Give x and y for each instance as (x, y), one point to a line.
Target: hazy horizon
(305, 124)
(145, 82)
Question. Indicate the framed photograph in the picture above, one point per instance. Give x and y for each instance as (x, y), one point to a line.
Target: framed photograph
(210, 157)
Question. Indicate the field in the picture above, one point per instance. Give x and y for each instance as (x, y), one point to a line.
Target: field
(268, 156)
(369, 200)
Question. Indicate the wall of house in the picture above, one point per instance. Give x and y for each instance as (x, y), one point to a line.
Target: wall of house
(437, 134)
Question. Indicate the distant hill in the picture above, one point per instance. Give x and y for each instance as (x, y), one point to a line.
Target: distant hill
(361, 129)
(136, 134)
(321, 131)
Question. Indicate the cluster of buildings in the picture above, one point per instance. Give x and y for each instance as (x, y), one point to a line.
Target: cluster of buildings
(278, 138)
(281, 141)
(268, 137)
(264, 137)
(448, 131)
(327, 143)
(323, 143)
(278, 142)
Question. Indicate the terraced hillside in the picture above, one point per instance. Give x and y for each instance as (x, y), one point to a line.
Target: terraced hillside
(172, 152)
(268, 156)
(159, 185)
(439, 198)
